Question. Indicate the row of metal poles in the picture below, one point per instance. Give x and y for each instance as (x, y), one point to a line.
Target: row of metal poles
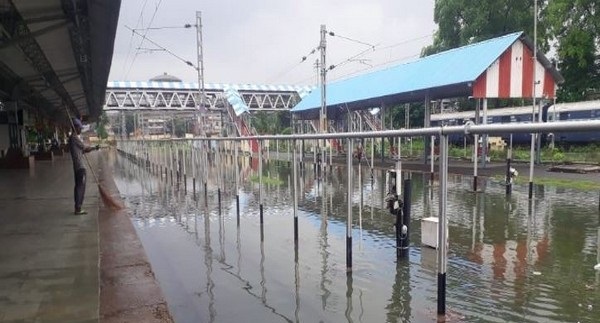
(162, 160)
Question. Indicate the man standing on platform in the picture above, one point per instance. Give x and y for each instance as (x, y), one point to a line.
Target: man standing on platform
(77, 150)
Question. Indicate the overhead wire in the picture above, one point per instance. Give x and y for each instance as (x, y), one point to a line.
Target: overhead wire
(313, 75)
(405, 42)
(187, 62)
(375, 66)
(165, 27)
(352, 58)
(131, 39)
(143, 38)
(331, 33)
(391, 60)
(293, 66)
(372, 49)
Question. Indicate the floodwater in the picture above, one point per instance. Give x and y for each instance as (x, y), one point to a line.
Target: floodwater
(510, 260)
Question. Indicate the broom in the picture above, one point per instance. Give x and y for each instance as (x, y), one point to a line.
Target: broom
(108, 200)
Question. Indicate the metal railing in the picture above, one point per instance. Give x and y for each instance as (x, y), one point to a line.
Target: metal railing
(468, 129)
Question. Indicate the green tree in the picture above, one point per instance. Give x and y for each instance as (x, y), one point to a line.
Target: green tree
(463, 22)
(574, 25)
(267, 122)
(101, 126)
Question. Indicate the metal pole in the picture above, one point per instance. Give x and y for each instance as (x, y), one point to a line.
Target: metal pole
(508, 160)
(171, 160)
(217, 168)
(295, 190)
(398, 176)
(206, 163)
(177, 164)
(398, 212)
(165, 162)
(323, 119)
(476, 147)
(534, 59)
(200, 67)
(237, 181)
(194, 168)
(372, 155)
(405, 224)
(382, 148)
(184, 170)
(315, 166)
(484, 143)
(349, 219)
(426, 124)
(442, 228)
(330, 155)
(260, 185)
(432, 155)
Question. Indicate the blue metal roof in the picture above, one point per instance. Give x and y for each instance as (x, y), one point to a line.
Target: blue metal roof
(453, 67)
(235, 99)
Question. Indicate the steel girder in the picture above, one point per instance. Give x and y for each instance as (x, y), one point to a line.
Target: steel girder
(161, 99)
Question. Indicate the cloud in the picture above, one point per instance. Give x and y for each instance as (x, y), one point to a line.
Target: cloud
(263, 41)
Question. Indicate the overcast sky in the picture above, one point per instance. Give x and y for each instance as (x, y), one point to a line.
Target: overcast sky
(263, 41)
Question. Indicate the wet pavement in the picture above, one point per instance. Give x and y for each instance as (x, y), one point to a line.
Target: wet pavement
(59, 267)
(49, 257)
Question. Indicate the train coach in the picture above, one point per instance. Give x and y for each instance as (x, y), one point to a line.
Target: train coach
(573, 111)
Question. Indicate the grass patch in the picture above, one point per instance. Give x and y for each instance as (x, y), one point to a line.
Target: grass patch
(266, 180)
(556, 182)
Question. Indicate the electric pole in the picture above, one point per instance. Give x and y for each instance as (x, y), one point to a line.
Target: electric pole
(323, 115)
(322, 47)
(200, 66)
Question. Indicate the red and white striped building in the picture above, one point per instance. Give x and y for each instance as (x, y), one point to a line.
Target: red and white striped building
(511, 76)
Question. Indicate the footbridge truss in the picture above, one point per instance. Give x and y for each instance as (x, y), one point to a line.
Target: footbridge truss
(128, 96)
(225, 109)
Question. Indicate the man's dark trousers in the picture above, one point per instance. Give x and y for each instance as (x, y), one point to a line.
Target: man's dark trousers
(79, 187)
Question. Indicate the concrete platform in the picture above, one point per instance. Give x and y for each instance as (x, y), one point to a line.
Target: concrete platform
(49, 257)
(59, 267)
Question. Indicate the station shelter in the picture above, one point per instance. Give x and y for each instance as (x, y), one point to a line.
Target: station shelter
(502, 67)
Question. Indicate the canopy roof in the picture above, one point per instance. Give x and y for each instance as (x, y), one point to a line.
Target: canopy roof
(57, 53)
(453, 73)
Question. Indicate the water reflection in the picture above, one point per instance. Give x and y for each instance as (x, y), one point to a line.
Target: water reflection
(208, 262)
(349, 290)
(398, 307)
(296, 284)
(510, 260)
